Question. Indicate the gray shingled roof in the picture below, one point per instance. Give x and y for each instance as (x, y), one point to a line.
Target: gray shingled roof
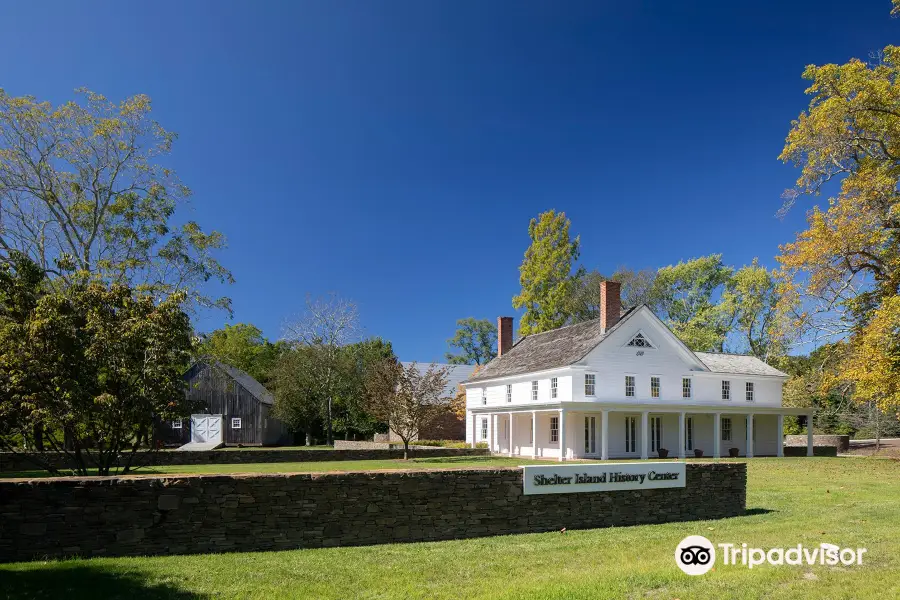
(548, 350)
(258, 390)
(456, 375)
(567, 345)
(740, 364)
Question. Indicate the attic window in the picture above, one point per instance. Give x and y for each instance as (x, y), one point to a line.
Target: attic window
(639, 341)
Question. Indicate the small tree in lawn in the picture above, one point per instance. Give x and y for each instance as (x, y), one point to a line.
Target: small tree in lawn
(405, 397)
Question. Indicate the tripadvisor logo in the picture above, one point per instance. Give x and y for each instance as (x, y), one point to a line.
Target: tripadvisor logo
(696, 555)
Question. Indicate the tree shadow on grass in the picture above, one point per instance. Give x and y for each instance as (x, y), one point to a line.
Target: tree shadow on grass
(757, 511)
(75, 581)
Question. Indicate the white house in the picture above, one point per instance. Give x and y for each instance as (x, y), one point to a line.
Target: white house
(623, 386)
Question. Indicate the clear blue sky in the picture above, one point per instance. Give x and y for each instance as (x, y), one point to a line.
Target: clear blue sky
(394, 151)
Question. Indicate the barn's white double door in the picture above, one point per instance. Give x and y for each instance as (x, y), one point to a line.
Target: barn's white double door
(206, 429)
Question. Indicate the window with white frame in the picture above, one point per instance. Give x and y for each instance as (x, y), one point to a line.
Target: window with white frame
(176, 424)
(590, 384)
(686, 387)
(749, 391)
(483, 397)
(629, 385)
(726, 390)
(553, 387)
(726, 429)
(534, 390)
(484, 432)
(236, 423)
(639, 341)
(654, 387)
(554, 429)
(508, 393)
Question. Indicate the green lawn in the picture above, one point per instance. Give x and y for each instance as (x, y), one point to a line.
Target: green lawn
(851, 502)
(443, 462)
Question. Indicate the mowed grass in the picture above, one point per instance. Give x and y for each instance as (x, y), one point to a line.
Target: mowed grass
(444, 462)
(851, 502)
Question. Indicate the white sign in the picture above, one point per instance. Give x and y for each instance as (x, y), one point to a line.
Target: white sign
(602, 477)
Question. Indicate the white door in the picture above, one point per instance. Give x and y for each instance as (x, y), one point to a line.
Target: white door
(206, 428)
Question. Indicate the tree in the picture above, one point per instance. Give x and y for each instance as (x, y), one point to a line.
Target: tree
(546, 274)
(406, 398)
(476, 340)
(361, 358)
(584, 301)
(458, 402)
(684, 296)
(242, 346)
(83, 192)
(751, 295)
(298, 395)
(328, 325)
(89, 368)
(840, 274)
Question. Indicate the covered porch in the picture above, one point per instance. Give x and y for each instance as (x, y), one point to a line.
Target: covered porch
(634, 431)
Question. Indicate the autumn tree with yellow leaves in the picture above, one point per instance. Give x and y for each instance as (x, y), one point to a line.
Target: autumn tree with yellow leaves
(840, 277)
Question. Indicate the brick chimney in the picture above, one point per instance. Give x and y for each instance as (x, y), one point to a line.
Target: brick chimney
(504, 335)
(610, 304)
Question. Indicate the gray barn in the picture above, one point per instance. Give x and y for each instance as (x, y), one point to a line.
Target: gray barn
(230, 407)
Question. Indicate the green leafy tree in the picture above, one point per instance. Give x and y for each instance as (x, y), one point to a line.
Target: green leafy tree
(361, 358)
(686, 296)
(584, 302)
(751, 295)
(83, 191)
(476, 340)
(242, 346)
(298, 396)
(546, 274)
(90, 367)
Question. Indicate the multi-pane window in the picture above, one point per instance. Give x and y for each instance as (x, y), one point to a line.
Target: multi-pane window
(655, 433)
(630, 429)
(483, 397)
(639, 341)
(484, 422)
(534, 390)
(686, 387)
(554, 429)
(726, 429)
(553, 387)
(726, 390)
(654, 387)
(749, 391)
(590, 384)
(509, 393)
(176, 424)
(235, 423)
(629, 385)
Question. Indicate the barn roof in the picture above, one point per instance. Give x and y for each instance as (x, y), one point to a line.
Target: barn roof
(256, 389)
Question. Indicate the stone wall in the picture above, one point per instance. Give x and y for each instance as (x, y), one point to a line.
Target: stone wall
(841, 442)
(11, 463)
(216, 513)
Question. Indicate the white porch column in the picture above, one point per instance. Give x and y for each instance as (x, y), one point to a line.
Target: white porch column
(604, 431)
(495, 436)
(562, 434)
(809, 434)
(780, 436)
(681, 434)
(510, 434)
(533, 434)
(474, 429)
(750, 435)
(717, 435)
(645, 439)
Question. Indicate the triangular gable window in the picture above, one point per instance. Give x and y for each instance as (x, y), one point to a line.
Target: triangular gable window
(639, 341)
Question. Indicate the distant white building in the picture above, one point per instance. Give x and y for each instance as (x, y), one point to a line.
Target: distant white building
(623, 386)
